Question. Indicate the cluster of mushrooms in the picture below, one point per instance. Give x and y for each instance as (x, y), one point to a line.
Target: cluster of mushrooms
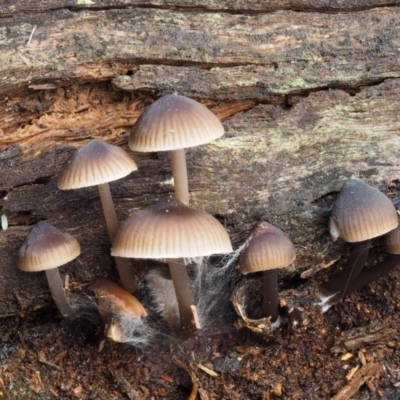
(178, 234)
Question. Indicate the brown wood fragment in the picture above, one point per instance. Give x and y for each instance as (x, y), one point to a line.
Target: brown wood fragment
(377, 332)
(360, 378)
(124, 385)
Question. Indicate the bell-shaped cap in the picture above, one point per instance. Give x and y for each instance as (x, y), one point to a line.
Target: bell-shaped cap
(115, 301)
(170, 229)
(174, 122)
(392, 241)
(95, 163)
(46, 247)
(268, 248)
(361, 212)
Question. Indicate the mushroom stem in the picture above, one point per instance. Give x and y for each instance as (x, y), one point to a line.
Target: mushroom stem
(369, 275)
(108, 210)
(123, 264)
(58, 293)
(270, 305)
(184, 296)
(339, 283)
(179, 172)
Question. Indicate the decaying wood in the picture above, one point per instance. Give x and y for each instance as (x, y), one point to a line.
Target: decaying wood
(308, 92)
(364, 374)
(377, 332)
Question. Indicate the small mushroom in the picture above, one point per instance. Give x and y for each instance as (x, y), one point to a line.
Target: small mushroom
(114, 300)
(268, 249)
(173, 231)
(98, 163)
(173, 123)
(360, 213)
(45, 249)
(116, 306)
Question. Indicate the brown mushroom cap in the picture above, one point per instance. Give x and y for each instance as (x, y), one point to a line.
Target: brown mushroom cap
(95, 163)
(361, 212)
(174, 122)
(109, 293)
(170, 229)
(392, 241)
(46, 247)
(268, 248)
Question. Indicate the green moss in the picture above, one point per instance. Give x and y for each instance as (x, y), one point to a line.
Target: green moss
(213, 200)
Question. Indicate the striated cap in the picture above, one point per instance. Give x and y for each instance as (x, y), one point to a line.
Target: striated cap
(95, 163)
(361, 212)
(392, 241)
(46, 247)
(268, 248)
(174, 122)
(170, 229)
(112, 299)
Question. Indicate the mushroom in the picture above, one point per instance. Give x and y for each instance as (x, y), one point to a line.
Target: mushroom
(98, 163)
(172, 123)
(368, 275)
(113, 300)
(360, 213)
(45, 249)
(116, 306)
(268, 249)
(173, 231)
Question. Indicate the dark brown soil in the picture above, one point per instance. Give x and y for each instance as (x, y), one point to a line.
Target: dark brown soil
(43, 356)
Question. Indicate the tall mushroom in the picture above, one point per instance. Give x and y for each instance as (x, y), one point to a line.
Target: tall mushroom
(173, 231)
(45, 249)
(173, 123)
(360, 213)
(98, 163)
(268, 249)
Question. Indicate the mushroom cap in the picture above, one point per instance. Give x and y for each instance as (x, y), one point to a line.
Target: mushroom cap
(174, 122)
(392, 241)
(361, 212)
(170, 229)
(268, 248)
(112, 295)
(95, 163)
(46, 247)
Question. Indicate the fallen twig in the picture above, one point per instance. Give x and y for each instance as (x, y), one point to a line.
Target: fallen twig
(363, 375)
(193, 377)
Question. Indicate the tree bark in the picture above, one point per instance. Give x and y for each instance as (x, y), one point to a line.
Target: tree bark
(308, 92)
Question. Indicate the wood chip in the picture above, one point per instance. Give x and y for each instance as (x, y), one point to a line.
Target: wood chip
(195, 316)
(377, 332)
(351, 373)
(346, 356)
(123, 384)
(48, 363)
(313, 270)
(207, 370)
(365, 374)
(167, 378)
(362, 359)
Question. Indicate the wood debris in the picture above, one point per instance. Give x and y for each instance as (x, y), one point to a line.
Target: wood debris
(377, 332)
(362, 376)
(124, 385)
(207, 370)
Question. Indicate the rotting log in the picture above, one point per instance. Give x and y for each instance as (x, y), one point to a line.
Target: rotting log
(308, 92)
